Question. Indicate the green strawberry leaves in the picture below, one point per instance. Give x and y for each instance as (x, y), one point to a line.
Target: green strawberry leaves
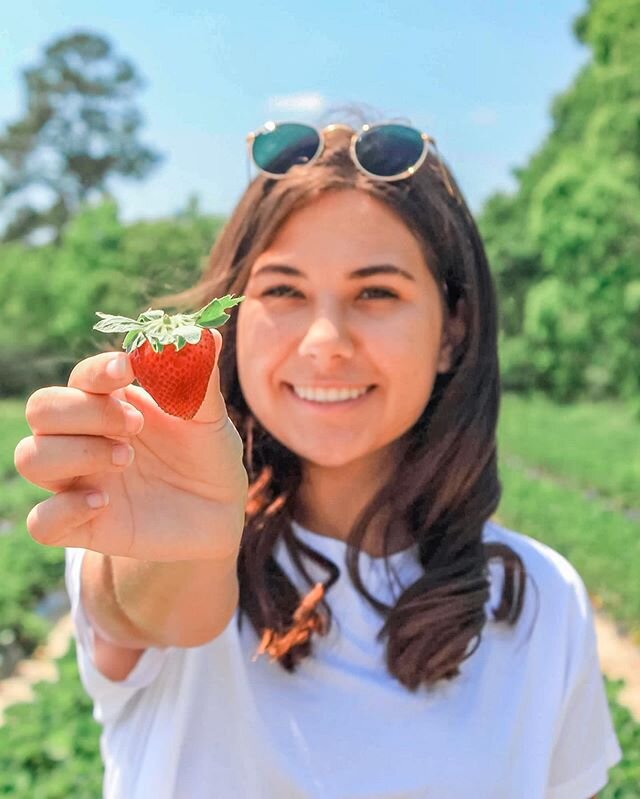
(161, 329)
(131, 336)
(115, 324)
(213, 314)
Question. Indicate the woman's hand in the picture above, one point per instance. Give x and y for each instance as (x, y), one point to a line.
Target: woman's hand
(181, 497)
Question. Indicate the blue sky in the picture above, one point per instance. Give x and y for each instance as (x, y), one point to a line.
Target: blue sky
(479, 77)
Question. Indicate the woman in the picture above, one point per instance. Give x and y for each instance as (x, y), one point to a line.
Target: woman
(300, 592)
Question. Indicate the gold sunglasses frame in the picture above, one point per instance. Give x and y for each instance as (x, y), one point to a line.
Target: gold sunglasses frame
(270, 126)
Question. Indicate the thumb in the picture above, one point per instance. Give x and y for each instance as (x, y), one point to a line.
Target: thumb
(213, 408)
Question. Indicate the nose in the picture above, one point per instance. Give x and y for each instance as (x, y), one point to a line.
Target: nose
(326, 338)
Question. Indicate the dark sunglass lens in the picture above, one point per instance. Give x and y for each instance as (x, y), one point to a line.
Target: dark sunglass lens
(276, 151)
(389, 150)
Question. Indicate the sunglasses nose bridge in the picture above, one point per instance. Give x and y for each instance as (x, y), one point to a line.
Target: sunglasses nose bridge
(335, 132)
(335, 127)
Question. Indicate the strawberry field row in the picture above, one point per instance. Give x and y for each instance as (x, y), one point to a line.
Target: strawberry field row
(29, 571)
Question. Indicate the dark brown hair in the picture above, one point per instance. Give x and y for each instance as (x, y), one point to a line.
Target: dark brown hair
(446, 486)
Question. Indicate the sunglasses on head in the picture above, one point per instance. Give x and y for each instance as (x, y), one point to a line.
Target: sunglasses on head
(384, 151)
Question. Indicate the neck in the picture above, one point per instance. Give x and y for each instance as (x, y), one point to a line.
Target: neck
(330, 500)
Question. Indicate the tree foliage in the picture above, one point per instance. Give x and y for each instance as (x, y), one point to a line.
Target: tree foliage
(49, 294)
(79, 129)
(565, 247)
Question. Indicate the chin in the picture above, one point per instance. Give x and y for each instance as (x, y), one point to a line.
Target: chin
(327, 463)
(331, 459)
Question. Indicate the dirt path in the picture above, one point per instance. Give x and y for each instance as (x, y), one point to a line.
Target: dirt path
(41, 666)
(619, 659)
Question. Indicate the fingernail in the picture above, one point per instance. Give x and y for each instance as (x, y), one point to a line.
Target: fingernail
(122, 455)
(117, 367)
(97, 499)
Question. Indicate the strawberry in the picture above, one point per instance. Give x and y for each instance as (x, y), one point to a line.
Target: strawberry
(172, 356)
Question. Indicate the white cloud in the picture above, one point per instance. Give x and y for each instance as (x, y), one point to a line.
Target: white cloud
(309, 102)
(483, 116)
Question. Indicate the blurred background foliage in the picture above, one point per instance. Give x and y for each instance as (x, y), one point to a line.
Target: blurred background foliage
(50, 293)
(565, 246)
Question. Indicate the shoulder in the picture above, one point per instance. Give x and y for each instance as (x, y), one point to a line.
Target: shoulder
(551, 569)
(562, 596)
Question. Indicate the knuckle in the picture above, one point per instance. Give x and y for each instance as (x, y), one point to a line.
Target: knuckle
(40, 523)
(237, 441)
(92, 454)
(23, 454)
(73, 376)
(111, 416)
(37, 530)
(37, 405)
(86, 372)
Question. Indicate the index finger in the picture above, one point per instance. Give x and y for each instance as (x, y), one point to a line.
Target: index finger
(102, 373)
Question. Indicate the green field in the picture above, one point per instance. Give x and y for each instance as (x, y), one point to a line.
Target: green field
(569, 476)
(593, 447)
(580, 496)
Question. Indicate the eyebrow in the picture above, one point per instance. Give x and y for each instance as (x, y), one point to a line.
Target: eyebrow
(364, 271)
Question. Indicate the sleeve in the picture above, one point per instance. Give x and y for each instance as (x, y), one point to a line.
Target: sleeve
(109, 696)
(586, 746)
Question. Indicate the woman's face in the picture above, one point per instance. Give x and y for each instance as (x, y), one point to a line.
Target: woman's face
(342, 299)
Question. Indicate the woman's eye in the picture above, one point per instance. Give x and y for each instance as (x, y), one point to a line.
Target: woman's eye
(288, 291)
(383, 294)
(278, 291)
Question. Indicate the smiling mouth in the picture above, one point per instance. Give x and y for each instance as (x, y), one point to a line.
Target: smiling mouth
(330, 402)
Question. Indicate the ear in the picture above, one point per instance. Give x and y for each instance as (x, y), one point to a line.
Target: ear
(453, 333)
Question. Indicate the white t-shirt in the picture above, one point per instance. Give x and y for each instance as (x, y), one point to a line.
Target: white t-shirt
(526, 718)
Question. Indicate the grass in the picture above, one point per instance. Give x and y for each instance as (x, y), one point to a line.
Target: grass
(594, 445)
(602, 545)
(586, 446)
(13, 427)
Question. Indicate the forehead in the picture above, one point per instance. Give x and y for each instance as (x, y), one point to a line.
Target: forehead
(348, 226)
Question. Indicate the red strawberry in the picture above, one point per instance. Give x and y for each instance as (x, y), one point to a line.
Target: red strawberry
(176, 379)
(172, 356)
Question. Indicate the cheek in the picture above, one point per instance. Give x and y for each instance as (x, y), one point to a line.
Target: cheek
(259, 346)
(409, 363)
(411, 350)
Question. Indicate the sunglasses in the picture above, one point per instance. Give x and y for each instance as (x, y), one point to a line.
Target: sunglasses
(384, 151)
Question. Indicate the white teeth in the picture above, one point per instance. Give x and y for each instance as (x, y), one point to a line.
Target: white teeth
(328, 395)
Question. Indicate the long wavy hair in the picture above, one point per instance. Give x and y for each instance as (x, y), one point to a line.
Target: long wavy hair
(446, 486)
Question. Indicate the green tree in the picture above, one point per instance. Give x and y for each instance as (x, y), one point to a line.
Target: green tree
(80, 128)
(565, 246)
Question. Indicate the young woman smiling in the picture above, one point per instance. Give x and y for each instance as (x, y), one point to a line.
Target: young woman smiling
(301, 592)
